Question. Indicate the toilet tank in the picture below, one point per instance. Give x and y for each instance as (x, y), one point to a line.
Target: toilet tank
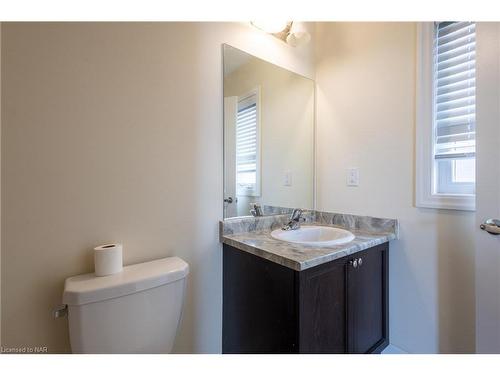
(135, 311)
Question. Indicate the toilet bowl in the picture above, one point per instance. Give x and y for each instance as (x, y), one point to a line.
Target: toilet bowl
(135, 311)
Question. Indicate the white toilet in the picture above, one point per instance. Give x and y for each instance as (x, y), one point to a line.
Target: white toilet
(135, 311)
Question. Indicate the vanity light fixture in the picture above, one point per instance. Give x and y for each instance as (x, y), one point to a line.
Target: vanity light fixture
(271, 27)
(291, 33)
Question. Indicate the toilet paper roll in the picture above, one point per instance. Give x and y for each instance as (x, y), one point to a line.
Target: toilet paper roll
(108, 259)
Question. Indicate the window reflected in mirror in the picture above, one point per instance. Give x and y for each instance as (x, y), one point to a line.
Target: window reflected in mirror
(268, 137)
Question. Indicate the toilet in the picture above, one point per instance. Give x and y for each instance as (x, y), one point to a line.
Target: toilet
(137, 310)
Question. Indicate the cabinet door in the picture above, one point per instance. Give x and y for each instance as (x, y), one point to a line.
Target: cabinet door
(366, 301)
(259, 305)
(322, 308)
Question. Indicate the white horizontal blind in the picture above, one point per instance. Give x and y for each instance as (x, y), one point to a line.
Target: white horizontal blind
(246, 146)
(455, 90)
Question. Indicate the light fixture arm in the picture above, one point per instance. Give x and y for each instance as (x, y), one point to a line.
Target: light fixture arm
(291, 33)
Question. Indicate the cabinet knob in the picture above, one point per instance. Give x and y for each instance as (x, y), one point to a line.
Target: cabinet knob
(360, 262)
(354, 263)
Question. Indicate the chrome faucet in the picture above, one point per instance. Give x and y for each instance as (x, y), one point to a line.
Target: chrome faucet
(295, 219)
(256, 210)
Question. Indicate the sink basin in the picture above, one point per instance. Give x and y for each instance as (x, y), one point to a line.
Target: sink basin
(314, 235)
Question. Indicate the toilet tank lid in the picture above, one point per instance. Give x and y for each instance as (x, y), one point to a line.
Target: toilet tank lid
(88, 288)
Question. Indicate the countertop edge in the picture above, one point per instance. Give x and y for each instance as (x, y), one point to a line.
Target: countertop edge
(301, 266)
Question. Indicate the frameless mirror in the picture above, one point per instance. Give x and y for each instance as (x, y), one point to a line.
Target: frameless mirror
(268, 137)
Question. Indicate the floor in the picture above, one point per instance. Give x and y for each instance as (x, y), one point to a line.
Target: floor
(391, 349)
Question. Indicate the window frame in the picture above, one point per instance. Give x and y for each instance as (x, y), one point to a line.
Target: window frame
(425, 170)
(257, 191)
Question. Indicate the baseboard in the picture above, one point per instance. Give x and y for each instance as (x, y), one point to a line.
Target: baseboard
(392, 349)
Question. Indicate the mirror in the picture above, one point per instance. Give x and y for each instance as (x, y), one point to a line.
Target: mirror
(268, 136)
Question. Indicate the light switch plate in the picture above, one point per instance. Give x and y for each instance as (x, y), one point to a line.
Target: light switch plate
(353, 177)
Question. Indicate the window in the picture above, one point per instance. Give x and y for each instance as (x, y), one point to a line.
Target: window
(455, 107)
(446, 118)
(248, 145)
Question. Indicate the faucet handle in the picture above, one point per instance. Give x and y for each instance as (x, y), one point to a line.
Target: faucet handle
(296, 214)
(256, 209)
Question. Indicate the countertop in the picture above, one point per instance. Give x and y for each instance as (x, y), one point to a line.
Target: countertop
(253, 235)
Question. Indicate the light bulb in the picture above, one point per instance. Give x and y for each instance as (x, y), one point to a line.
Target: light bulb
(270, 26)
(298, 35)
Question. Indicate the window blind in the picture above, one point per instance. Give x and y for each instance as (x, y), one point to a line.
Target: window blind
(246, 146)
(455, 90)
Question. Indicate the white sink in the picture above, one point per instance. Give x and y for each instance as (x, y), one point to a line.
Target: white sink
(314, 235)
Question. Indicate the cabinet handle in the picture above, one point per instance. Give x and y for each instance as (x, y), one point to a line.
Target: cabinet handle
(360, 262)
(354, 263)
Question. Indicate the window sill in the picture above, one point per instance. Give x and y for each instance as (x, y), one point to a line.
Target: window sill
(448, 202)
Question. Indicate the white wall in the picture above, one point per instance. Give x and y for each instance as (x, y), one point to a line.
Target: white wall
(113, 132)
(287, 132)
(366, 119)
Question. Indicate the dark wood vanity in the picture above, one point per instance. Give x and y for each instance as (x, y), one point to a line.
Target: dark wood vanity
(336, 307)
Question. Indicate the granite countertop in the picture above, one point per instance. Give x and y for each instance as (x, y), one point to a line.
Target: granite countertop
(253, 235)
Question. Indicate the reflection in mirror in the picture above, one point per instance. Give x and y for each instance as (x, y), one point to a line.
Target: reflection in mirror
(268, 137)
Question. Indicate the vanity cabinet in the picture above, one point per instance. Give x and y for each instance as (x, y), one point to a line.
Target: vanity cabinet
(336, 307)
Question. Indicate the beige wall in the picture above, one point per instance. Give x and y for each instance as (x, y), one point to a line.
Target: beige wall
(113, 132)
(287, 132)
(0, 184)
(366, 119)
